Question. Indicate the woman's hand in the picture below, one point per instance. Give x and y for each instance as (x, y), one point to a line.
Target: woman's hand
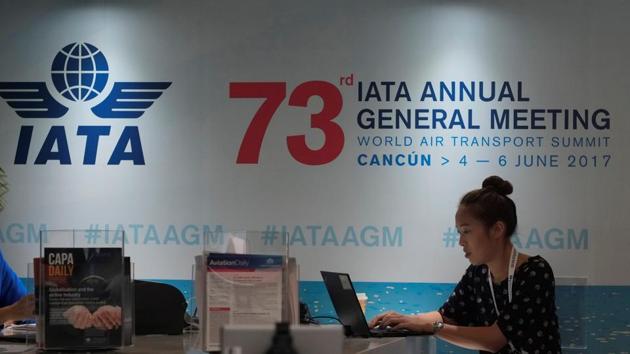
(376, 321)
(22, 309)
(398, 321)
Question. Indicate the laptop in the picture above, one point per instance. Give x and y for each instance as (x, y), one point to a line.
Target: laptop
(344, 299)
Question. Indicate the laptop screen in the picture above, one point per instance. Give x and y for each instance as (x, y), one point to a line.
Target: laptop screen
(345, 302)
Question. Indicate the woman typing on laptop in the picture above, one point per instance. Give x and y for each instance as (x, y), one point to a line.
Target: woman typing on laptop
(505, 302)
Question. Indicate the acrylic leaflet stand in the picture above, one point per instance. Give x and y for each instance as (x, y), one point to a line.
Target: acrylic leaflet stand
(241, 277)
(83, 286)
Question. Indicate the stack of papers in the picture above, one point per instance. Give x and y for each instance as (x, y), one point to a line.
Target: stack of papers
(17, 329)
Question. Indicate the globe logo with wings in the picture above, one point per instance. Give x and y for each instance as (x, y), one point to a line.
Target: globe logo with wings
(79, 73)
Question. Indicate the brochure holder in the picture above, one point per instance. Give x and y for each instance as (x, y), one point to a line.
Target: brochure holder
(82, 283)
(128, 313)
(241, 277)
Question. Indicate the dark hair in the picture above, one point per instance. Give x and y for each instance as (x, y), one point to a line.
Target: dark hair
(491, 203)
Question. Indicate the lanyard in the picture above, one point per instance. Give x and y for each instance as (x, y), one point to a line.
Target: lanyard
(511, 268)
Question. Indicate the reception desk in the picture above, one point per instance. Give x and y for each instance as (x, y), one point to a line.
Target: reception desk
(408, 345)
(160, 344)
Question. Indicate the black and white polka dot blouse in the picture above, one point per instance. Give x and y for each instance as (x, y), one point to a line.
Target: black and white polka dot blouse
(529, 322)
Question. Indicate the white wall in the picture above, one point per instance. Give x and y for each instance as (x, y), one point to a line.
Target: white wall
(567, 54)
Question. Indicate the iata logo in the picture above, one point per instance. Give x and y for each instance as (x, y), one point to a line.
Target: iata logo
(79, 73)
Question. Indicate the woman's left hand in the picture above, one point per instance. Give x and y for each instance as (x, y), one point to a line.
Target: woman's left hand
(408, 322)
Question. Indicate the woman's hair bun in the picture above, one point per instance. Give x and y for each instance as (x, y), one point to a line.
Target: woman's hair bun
(498, 185)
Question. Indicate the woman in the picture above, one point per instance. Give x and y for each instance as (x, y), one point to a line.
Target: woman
(14, 303)
(505, 302)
